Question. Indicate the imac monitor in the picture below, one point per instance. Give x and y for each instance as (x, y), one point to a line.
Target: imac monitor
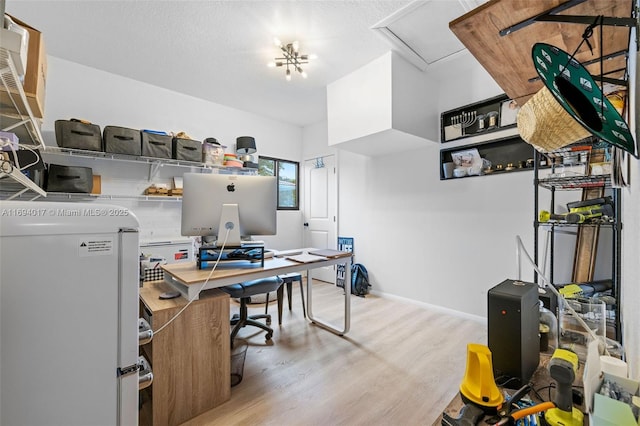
(245, 205)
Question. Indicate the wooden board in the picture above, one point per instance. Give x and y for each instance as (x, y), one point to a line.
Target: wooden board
(508, 59)
(584, 261)
(188, 272)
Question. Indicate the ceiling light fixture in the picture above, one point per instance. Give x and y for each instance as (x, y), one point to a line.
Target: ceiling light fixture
(292, 58)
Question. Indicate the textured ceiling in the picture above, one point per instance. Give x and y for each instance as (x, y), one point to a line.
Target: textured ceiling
(218, 50)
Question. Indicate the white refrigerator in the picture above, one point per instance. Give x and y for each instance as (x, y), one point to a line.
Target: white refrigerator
(68, 314)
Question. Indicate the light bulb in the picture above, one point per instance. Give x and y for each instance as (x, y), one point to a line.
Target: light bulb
(277, 41)
(296, 45)
(312, 56)
(271, 64)
(288, 77)
(303, 74)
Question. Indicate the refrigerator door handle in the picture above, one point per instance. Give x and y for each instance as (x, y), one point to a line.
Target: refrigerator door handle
(125, 371)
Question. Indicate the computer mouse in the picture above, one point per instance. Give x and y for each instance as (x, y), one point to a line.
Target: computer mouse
(170, 295)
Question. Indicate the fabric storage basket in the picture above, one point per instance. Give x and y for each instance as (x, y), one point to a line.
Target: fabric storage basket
(156, 145)
(69, 179)
(120, 140)
(187, 149)
(78, 135)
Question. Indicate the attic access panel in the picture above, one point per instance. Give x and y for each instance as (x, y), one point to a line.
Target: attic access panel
(508, 58)
(419, 30)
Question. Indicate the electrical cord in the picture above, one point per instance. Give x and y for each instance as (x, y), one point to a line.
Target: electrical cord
(5, 142)
(215, 265)
(520, 247)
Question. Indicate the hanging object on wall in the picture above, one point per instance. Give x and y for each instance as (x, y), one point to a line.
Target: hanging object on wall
(543, 123)
(570, 96)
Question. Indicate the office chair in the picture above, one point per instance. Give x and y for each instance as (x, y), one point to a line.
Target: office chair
(244, 291)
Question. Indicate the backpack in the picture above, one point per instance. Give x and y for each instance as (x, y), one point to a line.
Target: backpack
(359, 280)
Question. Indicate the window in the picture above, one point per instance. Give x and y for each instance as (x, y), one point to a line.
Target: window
(288, 175)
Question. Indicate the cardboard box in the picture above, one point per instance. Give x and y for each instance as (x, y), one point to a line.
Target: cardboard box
(97, 185)
(611, 412)
(605, 411)
(35, 78)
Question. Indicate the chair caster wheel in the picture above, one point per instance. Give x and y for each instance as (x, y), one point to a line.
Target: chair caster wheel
(268, 337)
(268, 321)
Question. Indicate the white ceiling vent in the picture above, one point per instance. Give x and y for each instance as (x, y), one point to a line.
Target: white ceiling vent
(420, 31)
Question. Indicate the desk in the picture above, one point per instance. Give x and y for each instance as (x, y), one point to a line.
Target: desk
(189, 280)
(190, 358)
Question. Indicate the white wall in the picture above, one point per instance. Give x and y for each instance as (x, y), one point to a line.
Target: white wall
(631, 270)
(631, 230)
(107, 99)
(447, 242)
(438, 242)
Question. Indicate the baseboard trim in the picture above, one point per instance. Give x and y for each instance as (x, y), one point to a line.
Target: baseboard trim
(476, 318)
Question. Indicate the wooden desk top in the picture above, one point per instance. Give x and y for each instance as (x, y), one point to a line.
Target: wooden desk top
(188, 273)
(151, 291)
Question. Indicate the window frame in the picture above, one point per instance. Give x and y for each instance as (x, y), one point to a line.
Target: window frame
(276, 169)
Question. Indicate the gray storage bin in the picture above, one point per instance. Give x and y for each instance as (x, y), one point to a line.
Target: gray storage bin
(78, 135)
(69, 179)
(187, 149)
(155, 145)
(121, 140)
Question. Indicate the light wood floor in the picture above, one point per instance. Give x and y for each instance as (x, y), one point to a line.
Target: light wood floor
(400, 364)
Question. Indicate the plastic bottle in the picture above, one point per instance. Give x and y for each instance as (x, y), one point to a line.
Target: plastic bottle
(548, 330)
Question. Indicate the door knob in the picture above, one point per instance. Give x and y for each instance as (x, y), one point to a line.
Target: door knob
(306, 224)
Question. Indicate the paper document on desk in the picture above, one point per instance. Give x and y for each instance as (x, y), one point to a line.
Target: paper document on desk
(306, 258)
(329, 253)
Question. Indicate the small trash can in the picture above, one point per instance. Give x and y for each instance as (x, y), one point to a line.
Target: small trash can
(238, 355)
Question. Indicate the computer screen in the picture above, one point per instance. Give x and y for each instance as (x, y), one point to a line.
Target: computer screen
(244, 204)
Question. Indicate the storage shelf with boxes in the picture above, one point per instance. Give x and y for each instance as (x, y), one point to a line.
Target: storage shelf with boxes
(35, 76)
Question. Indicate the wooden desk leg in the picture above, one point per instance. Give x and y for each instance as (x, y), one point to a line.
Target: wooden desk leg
(347, 303)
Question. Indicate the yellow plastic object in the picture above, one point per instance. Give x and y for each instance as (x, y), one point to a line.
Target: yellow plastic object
(570, 290)
(478, 385)
(544, 216)
(566, 355)
(563, 367)
(558, 417)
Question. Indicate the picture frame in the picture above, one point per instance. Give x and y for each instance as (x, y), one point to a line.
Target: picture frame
(508, 112)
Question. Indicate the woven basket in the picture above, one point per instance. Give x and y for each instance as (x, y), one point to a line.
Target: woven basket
(544, 123)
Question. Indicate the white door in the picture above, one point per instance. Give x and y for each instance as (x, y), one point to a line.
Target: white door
(321, 209)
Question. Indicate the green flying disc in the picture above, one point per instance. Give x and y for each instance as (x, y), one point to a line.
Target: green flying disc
(575, 89)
